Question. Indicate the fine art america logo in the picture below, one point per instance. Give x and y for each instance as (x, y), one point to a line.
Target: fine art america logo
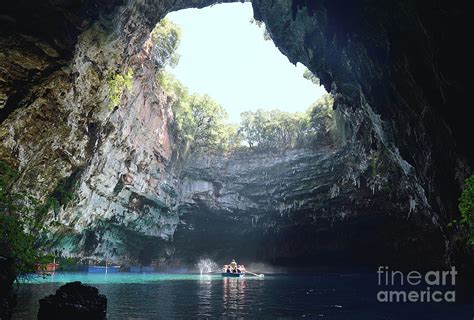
(414, 286)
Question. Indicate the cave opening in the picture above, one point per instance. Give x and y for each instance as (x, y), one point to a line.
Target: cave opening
(138, 175)
(228, 79)
(287, 120)
(142, 174)
(225, 53)
(360, 160)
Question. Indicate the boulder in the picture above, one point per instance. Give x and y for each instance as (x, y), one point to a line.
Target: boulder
(74, 301)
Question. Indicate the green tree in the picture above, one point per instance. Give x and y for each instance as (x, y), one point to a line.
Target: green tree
(322, 117)
(198, 117)
(20, 224)
(171, 86)
(208, 121)
(466, 207)
(118, 84)
(229, 137)
(275, 129)
(166, 37)
(249, 129)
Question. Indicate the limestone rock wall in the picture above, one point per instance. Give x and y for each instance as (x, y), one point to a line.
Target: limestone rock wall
(117, 162)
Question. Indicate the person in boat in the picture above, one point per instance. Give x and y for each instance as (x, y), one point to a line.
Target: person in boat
(233, 265)
(242, 268)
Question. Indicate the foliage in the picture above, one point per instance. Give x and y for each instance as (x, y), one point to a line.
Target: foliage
(118, 84)
(322, 117)
(68, 263)
(60, 196)
(230, 137)
(20, 223)
(466, 208)
(198, 117)
(275, 129)
(166, 37)
(17, 244)
(202, 121)
(207, 123)
(311, 77)
(45, 259)
(171, 86)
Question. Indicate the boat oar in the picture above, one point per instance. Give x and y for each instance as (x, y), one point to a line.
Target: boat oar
(255, 274)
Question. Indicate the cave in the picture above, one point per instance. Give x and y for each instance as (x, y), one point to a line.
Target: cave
(399, 72)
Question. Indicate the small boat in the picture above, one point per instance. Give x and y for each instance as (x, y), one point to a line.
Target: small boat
(233, 274)
(49, 268)
(102, 269)
(233, 270)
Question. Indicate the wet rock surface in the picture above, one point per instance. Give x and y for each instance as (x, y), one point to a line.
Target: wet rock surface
(74, 301)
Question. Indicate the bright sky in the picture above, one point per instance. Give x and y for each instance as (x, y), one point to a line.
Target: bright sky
(226, 56)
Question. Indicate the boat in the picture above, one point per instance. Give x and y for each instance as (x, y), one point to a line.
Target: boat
(103, 269)
(45, 269)
(233, 274)
(233, 270)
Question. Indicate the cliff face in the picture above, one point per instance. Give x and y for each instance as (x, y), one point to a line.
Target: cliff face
(391, 186)
(117, 162)
(321, 206)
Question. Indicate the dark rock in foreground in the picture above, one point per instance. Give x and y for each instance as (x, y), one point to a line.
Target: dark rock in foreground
(74, 301)
(7, 298)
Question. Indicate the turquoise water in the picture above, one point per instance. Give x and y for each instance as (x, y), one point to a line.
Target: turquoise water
(191, 296)
(124, 278)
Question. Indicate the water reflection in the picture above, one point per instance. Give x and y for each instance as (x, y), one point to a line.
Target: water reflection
(233, 294)
(205, 296)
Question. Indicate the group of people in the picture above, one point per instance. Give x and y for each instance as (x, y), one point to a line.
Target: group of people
(233, 267)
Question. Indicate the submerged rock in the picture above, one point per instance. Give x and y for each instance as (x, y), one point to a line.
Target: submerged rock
(74, 301)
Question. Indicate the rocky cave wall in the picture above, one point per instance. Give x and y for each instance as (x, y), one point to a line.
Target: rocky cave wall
(392, 186)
